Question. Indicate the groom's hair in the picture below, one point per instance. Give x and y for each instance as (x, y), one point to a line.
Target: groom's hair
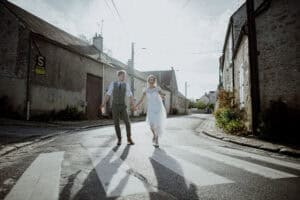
(121, 72)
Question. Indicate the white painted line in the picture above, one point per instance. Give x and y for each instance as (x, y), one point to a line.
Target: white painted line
(245, 165)
(40, 180)
(114, 173)
(190, 172)
(261, 158)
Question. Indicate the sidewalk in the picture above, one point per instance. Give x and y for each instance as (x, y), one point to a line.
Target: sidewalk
(208, 128)
(15, 134)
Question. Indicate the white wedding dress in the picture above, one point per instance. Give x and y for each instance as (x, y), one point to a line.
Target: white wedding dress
(156, 112)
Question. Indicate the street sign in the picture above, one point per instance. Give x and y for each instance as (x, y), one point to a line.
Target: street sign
(40, 65)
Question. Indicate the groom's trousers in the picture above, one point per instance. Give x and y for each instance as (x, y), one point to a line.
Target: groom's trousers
(120, 111)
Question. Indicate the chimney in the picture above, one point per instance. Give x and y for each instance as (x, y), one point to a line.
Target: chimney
(98, 42)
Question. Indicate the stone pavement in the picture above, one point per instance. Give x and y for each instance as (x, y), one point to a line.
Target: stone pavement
(208, 128)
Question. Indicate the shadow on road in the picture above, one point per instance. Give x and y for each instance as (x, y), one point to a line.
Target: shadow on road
(170, 182)
(93, 188)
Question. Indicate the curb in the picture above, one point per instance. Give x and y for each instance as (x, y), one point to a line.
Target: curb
(282, 150)
(14, 147)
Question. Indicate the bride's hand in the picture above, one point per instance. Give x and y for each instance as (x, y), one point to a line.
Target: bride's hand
(133, 108)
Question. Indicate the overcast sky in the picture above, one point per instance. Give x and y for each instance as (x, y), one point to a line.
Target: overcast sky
(185, 34)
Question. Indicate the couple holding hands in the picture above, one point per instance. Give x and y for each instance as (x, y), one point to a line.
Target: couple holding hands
(156, 112)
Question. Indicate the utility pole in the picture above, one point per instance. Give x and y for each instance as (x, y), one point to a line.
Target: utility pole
(255, 96)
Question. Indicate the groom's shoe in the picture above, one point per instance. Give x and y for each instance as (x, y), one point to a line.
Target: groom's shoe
(130, 142)
(119, 142)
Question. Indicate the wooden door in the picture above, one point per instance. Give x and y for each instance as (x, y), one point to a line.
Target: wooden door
(93, 95)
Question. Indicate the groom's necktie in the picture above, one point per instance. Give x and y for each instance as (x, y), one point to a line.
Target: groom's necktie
(120, 84)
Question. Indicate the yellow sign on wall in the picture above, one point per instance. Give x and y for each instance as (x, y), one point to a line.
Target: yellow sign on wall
(40, 65)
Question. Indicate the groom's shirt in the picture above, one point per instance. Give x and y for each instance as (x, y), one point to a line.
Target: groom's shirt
(111, 88)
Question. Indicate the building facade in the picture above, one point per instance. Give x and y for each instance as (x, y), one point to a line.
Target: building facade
(44, 69)
(278, 59)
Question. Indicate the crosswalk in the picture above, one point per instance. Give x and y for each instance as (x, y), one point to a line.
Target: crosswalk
(41, 180)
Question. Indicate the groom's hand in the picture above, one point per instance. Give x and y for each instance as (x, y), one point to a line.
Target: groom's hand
(102, 109)
(133, 108)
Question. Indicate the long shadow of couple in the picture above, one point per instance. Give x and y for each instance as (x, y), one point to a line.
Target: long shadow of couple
(170, 185)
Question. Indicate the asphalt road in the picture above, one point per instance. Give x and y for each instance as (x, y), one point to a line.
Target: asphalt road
(188, 165)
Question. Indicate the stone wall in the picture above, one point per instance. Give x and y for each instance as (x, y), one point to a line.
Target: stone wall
(227, 65)
(279, 57)
(14, 47)
(242, 80)
(64, 83)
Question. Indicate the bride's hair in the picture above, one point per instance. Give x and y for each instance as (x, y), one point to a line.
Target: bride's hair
(149, 77)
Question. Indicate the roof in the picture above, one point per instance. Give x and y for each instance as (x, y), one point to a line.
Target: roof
(53, 33)
(46, 30)
(236, 22)
(43, 28)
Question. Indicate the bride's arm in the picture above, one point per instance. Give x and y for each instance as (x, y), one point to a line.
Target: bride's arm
(142, 100)
(163, 95)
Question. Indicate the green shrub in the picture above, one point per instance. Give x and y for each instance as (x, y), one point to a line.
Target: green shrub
(235, 126)
(211, 106)
(192, 104)
(230, 121)
(200, 105)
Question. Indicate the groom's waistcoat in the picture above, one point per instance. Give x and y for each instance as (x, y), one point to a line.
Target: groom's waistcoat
(119, 94)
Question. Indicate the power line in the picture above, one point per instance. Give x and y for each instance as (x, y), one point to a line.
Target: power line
(110, 9)
(116, 9)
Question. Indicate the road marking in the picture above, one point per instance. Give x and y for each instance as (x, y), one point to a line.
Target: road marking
(190, 172)
(114, 174)
(261, 158)
(40, 180)
(245, 165)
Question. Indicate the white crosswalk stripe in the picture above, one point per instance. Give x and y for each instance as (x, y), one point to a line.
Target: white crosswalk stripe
(191, 172)
(40, 180)
(260, 157)
(114, 174)
(245, 165)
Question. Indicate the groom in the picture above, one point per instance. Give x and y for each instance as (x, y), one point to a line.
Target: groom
(119, 90)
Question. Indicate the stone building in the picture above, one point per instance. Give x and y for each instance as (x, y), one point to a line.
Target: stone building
(277, 33)
(208, 98)
(44, 69)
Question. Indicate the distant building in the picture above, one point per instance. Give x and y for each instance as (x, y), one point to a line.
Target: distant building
(277, 33)
(208, 98)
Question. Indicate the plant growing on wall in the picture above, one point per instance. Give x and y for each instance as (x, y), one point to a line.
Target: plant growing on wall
(228, 116)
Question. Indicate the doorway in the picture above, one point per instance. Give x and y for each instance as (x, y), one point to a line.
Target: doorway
(93, 96)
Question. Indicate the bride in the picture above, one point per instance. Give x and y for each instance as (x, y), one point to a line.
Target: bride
(156, 112)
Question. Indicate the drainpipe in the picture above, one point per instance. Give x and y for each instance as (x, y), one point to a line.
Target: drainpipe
(28, 78)
(254, 76)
